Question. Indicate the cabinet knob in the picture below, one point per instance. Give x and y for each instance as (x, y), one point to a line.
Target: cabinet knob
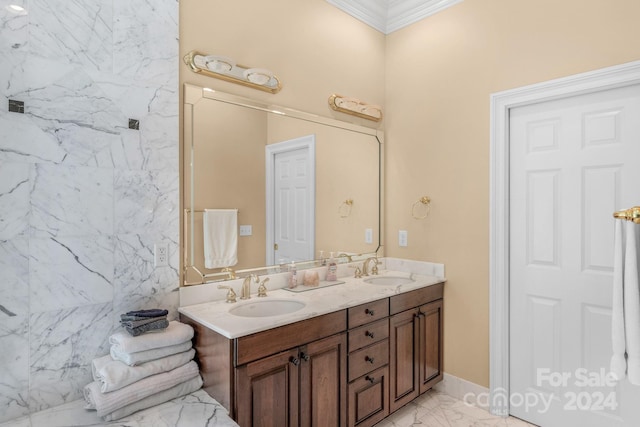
(370, 379)
(294, 360)
(304, 356)
(368, 359)
(369, 334)
(369, 312)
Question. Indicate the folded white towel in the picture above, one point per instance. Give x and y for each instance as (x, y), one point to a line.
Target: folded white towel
(134, 359)
(114, 374)
(175, 333)
(174, 392)
(220, 233)
(106, 403)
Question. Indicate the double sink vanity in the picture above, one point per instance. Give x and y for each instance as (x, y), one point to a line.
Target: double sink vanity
(348, 354)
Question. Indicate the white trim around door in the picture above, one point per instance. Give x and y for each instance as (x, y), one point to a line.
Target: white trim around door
(501, 103)
(308, 142)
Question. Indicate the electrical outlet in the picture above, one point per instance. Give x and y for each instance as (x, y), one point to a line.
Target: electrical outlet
(161, 254)
(368, 235)
(402, 238)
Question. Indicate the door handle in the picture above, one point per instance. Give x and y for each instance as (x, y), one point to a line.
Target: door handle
(294, 360)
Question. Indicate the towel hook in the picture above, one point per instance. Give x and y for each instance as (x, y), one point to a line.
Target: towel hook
(415, 208)
(345, 208)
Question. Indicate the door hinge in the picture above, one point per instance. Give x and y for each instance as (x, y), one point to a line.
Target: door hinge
(275, 246)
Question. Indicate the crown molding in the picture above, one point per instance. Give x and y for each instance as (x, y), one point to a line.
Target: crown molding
(388, 16)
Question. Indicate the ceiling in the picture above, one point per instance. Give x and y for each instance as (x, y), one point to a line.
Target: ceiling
(388, 16)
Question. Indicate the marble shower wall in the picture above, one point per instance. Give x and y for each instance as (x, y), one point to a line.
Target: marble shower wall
(83, 198)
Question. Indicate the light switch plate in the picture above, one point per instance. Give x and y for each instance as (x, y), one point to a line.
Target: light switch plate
(402, 238)
(246, 230)
(368, 235)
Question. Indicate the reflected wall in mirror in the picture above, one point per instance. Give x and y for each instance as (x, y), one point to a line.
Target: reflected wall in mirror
(288, 173)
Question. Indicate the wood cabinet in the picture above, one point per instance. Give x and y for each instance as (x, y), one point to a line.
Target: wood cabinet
(293, 375)
(351, 367)
(368, 363)
(415, 342)
(305, 386)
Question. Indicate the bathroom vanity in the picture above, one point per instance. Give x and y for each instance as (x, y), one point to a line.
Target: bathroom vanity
(354, 354)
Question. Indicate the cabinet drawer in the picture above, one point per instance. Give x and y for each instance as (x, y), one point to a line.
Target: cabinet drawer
(368, 312)
(369, 398)
(367, 359)
(368, 334)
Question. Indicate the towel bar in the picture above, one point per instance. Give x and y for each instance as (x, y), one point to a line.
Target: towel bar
(631, 214)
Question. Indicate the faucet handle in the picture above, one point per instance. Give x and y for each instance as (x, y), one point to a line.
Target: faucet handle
(358, 273)
(262, 289)
(374, 269)
(231, 295)
(230, 272)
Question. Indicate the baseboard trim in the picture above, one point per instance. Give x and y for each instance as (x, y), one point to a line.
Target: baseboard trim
(461, 389)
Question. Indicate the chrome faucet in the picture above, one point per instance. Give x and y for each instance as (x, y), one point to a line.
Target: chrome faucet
(374, 269)
(246, 286)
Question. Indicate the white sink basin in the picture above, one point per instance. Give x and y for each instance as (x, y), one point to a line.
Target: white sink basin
(389, 280)
(267, 308)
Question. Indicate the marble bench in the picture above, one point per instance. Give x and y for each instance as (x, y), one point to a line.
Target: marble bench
(197, 409)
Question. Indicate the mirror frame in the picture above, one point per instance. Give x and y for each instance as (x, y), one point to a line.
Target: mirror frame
(194, 94)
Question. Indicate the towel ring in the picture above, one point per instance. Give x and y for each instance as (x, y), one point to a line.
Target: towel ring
(415, 208)
(344, 210)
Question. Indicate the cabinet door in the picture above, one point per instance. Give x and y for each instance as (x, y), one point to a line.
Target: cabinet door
(323, 382)
(267, 391)
(403, 347)
(369, 398)
(430, 365)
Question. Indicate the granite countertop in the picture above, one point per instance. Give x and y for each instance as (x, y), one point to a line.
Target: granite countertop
(215, 315)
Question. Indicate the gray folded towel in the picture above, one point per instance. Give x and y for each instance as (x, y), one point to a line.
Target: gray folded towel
(153, 326)
(154, 312)
(136, 323)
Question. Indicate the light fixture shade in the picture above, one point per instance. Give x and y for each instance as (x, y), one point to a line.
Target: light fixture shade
(219, 64)
(259, 76)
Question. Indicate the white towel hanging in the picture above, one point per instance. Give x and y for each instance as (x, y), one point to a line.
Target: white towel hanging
(625, 322)
(220, 227)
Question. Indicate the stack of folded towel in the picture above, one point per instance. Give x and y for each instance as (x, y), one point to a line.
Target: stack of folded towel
(140, 321)
(143, 371)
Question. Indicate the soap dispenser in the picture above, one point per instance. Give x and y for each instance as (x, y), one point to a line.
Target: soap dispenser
(293, 277)
(332, 269)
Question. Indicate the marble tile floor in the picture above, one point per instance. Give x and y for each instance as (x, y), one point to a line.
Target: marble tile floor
(433, 409)
(193, 410)
(436, 409)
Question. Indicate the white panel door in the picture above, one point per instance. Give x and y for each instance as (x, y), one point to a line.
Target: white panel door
(293, 217)
(573, 162)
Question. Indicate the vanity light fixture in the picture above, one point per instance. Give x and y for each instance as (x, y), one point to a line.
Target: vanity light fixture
(355, 107)
(225, 68)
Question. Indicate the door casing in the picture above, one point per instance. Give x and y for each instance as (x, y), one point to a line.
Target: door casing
(309, 143)
(500, 103)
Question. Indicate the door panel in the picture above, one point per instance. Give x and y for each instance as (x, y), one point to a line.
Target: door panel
(403, 347)
(267, 392)
(573, 162)
(323, 382)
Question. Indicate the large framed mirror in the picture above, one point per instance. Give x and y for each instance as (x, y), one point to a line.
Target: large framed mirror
(301, 185)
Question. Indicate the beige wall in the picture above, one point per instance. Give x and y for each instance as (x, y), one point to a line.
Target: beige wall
(435, 91)
(314, 48)
(439, 75)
